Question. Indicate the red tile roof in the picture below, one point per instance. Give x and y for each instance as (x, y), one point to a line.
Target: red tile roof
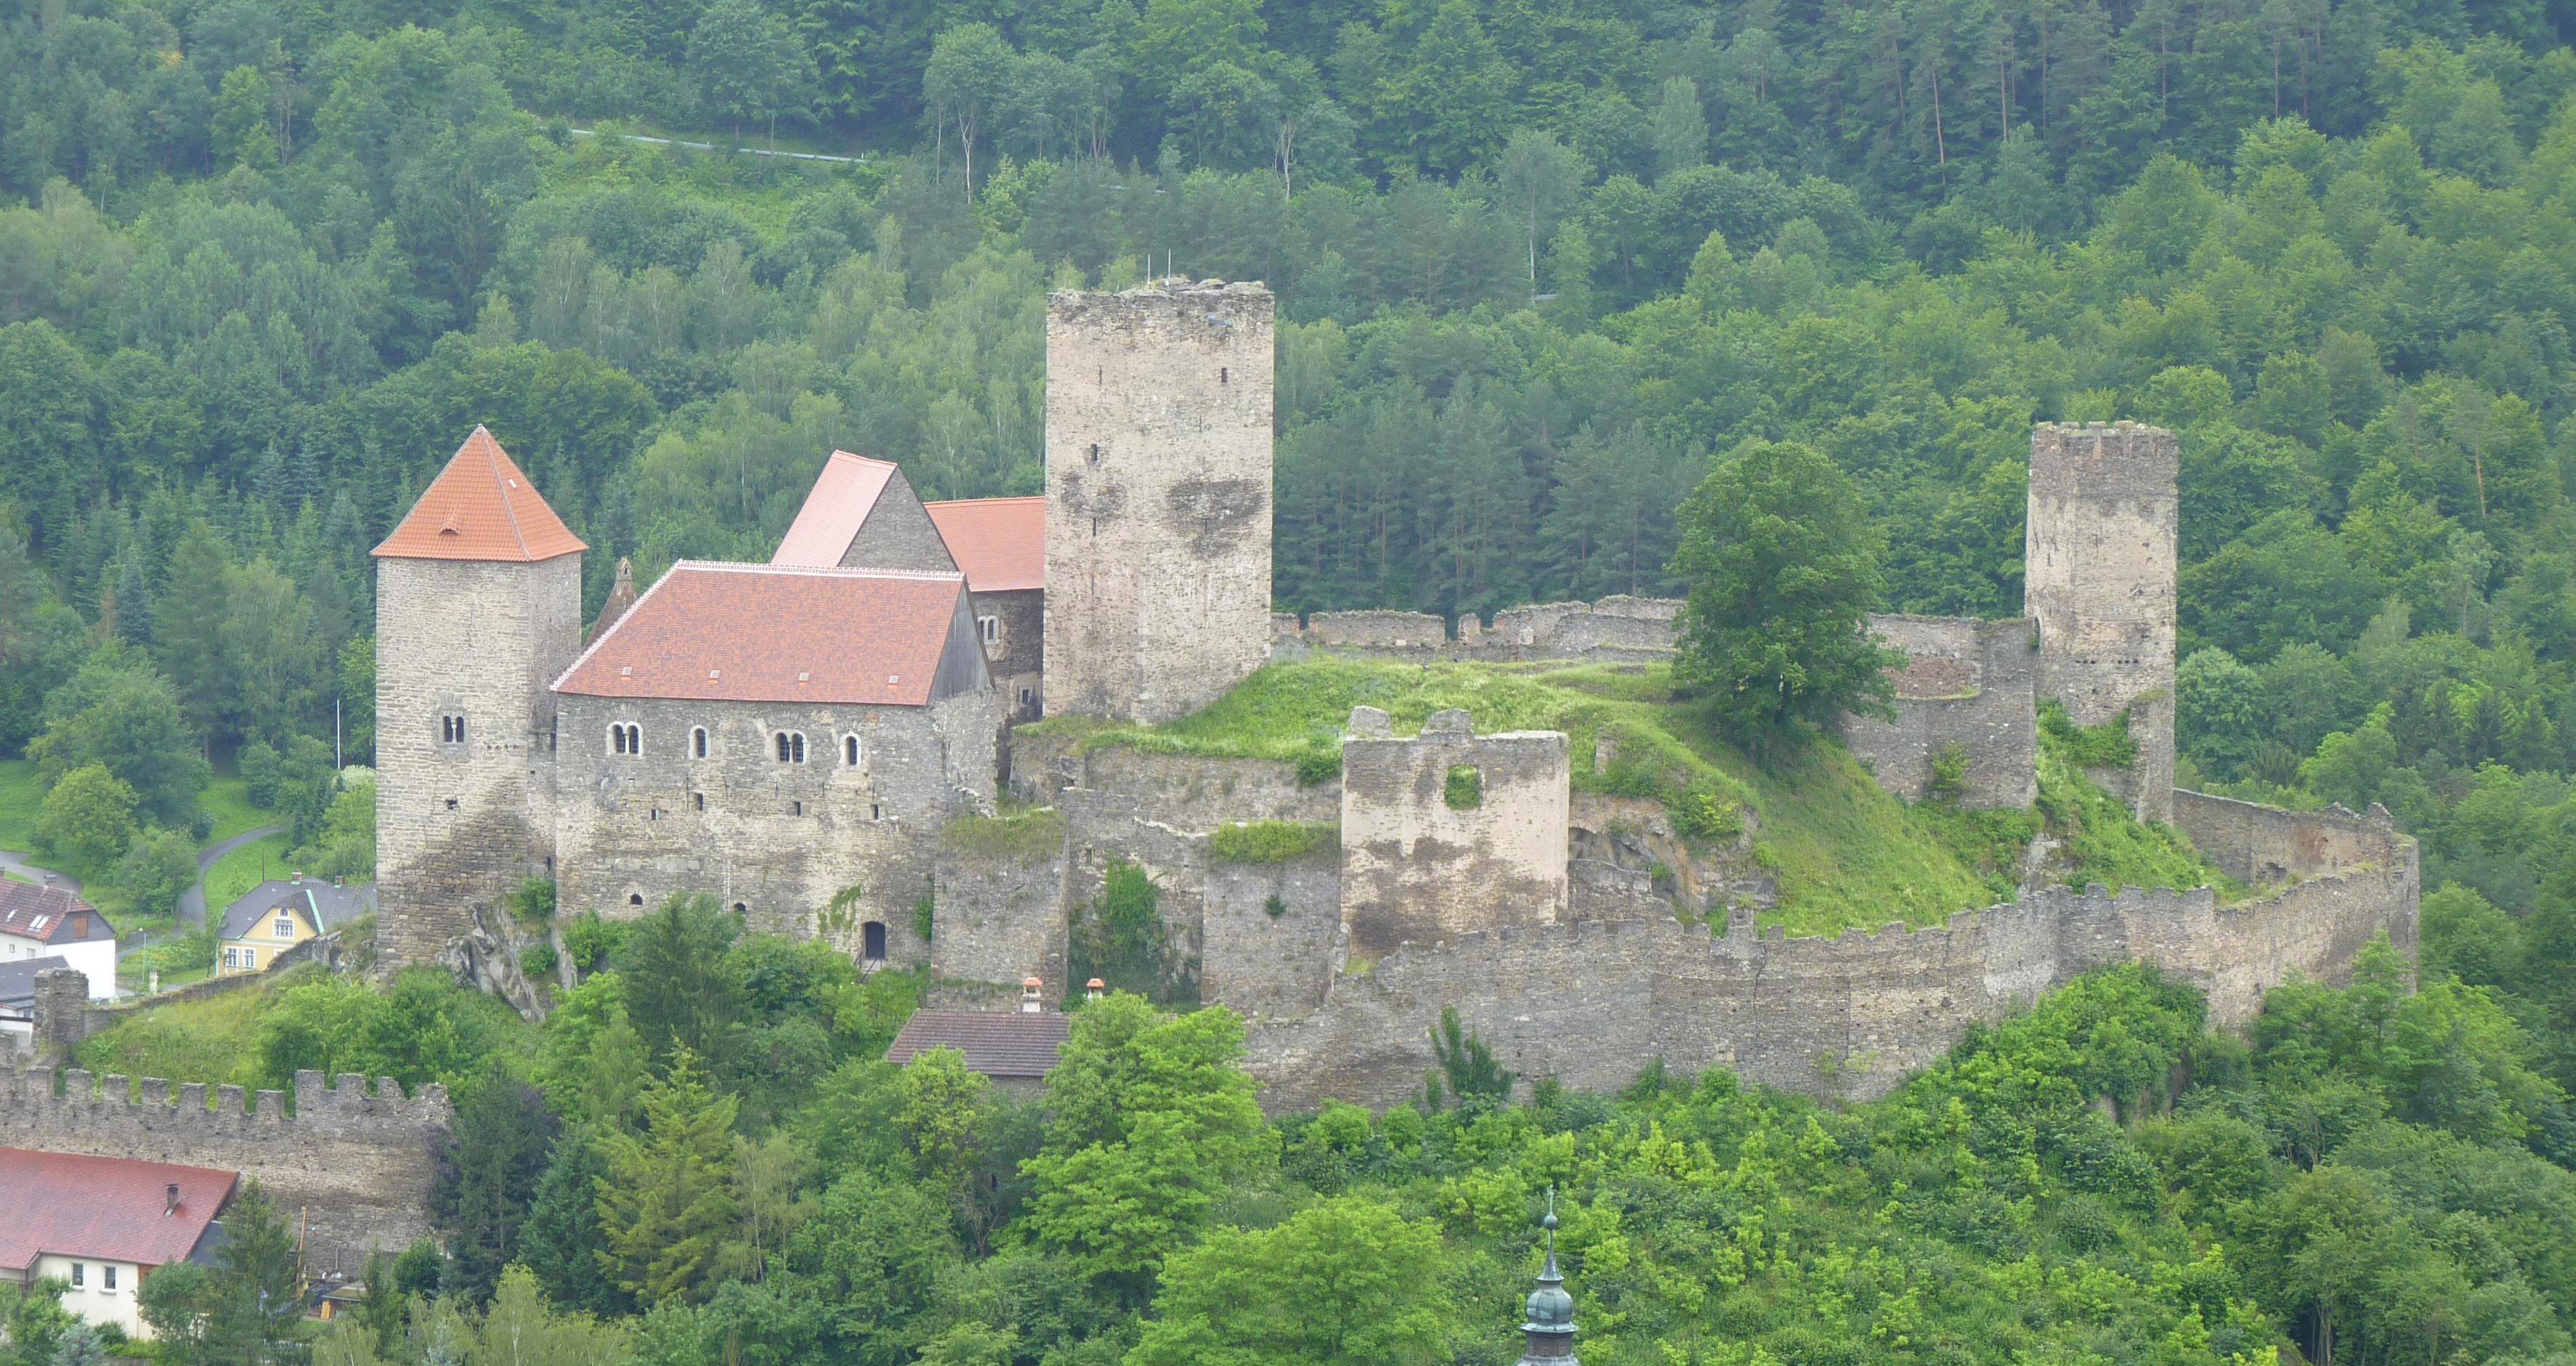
(49, 915)
(1018, 1044)
(109, 1208)
(762, 633)
(838, 505)
(999, 542)
(481, 507)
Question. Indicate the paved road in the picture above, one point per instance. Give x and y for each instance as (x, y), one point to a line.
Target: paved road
(711, 147)
(192, 902)
(14, 862)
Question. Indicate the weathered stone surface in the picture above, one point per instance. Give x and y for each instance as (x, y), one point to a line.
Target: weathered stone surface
(1414, 867)
(1158, 497)
(2100, 581)
(460, 824)
(2265, 844)
(349, 1170)
(1966, 682)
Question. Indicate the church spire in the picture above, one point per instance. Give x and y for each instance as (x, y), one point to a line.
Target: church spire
(1550, 1328)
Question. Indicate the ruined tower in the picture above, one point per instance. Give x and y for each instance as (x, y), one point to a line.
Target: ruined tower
(478, 608)
(2100, 581)
(1158, 411)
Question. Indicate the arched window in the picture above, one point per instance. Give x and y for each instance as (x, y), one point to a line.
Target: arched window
(626, 738)
(634, 898)
(873, 941)
(741, 908)
(791, 747)
(451, 730)
(697, 742)
(850, 750)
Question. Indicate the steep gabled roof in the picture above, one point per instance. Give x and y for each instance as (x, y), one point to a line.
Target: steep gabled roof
(481, 507)
(838, 505)
(324, 906)
(49, 915)
(999, 542)
(108, 1209)
(714, 632)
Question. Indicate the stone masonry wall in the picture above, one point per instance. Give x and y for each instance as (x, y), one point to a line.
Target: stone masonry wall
(1968, 683)
(899, 534)
(1001, 918)
(1158, 438)
(2265, 844)
(1591, 1003)
(1268, 943)
(1613, 630)
(1016, 660)
(778, 839)
(459, 824)
(353, 1170)
(1416, 869)
(2101, 583)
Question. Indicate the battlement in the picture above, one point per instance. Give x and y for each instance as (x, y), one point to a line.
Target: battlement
(353, 1168)
(1590, 1003)
(1616, 629)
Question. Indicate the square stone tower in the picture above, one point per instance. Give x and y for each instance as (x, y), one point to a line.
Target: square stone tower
(2100, 581)
(1158, 497)
(478, 608)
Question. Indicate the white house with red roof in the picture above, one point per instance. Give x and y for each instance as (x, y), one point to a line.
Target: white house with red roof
(49, 922)
(102, 1225)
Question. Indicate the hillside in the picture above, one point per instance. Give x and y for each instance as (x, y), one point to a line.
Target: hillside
(1845, 852)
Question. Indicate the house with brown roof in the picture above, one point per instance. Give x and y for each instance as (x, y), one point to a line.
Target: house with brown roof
(50, 922)
(102, 1225)
(773, 735)
(275, 916)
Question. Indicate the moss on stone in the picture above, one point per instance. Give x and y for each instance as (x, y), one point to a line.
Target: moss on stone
(1025, 834)
(1267, 842)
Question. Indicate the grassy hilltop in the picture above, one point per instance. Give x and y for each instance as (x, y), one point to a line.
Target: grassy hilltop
(1846, 853)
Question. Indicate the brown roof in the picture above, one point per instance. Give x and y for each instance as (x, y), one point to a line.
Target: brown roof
(714, 632)
(49, 915)
(112, 1209)
(999, 542)
(995, 1044)
(481, 507)
(838, 505)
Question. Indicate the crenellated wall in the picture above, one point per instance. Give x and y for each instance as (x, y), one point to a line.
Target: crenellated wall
(351, 1171)
(1592, 1002)
(1613, 630)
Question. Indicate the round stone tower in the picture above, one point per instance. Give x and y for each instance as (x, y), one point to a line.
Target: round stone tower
(478, 608)
(1158, 460)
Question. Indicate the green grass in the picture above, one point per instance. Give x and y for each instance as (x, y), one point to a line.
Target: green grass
(236, 873)
(20, 794)
(227, 801)
(1020, 834)
(1272, 841)
(2105, 843)
(215, 1039)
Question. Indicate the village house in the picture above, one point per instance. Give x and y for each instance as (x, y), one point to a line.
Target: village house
(102, 1225)
(49, 922)
(279, 914)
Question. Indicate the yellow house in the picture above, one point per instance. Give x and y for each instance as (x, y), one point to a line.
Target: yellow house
(278, 915)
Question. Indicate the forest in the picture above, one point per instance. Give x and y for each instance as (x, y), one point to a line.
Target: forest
(263, 266)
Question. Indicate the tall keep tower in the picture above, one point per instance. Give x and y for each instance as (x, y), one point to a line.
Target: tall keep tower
(2100, 581)
(478, 608)
(1158, 410)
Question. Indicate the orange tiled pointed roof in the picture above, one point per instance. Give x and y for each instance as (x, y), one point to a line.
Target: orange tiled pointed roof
(481, 507)
(999, 542)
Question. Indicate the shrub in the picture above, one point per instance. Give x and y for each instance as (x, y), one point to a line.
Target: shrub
(925, 916)
(1950, 773)
(1705, 813)
(1271, 841)
(1465, 790)
(1319, 766)
(2107, 745)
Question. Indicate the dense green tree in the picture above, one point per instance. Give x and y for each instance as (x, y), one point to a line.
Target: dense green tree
(1782, 567)
(1342, 1283)
(667, 1206)
(488, 1177)
(87, 819)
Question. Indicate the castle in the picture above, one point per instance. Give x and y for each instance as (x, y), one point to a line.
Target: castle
(809, 740)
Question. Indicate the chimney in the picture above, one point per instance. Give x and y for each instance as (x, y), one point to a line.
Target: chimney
(298, 877)
(170, 1199)
(1030, 988)
(1093, 989)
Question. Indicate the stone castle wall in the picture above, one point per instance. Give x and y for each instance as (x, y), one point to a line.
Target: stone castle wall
(2262, 845)
(1966, 682)
(1591, 1003)
(2100, 581)
(1613, 630)
(777, 839)
(1158, 437)
(1415, 867)
(461, 824)
(349, 1169)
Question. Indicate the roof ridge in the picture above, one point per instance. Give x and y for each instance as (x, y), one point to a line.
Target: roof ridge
(493, 458)
(837, 571)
